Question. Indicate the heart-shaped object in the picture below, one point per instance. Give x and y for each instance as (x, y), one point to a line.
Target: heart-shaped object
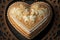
(29, 20)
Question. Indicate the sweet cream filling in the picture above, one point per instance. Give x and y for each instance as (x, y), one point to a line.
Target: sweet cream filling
(32, 17)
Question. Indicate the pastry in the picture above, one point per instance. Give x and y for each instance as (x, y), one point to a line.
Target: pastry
(29, 19)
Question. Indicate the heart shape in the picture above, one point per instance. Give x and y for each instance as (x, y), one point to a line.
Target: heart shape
(29, 19)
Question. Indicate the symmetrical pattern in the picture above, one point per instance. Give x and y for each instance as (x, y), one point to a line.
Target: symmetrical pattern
(52, 34)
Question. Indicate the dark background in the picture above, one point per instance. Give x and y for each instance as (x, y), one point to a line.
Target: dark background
(51, 32)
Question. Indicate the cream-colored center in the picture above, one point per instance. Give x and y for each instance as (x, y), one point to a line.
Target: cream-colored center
(24, 15)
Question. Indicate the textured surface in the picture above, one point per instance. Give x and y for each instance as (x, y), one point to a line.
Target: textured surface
(53, 34)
